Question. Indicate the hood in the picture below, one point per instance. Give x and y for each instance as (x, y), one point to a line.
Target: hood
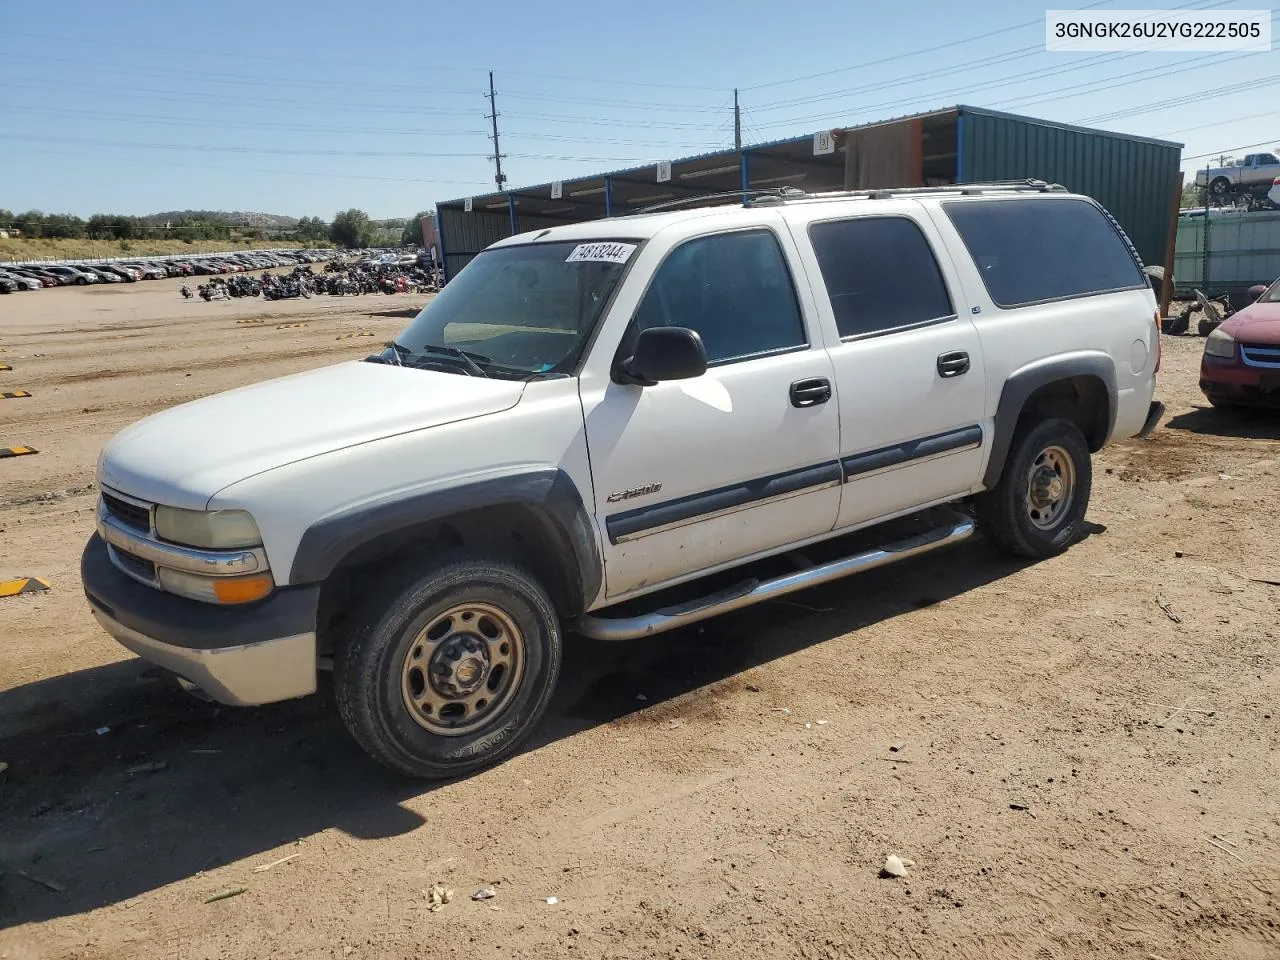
(1256, 323)
(183, 456)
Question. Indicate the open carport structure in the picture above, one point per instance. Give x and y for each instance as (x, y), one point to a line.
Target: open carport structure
(1136, 178)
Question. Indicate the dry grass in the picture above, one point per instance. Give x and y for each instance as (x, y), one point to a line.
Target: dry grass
(60, 249)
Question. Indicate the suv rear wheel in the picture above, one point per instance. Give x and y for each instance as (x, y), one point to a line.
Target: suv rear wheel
(450, 668)
(1037, 509)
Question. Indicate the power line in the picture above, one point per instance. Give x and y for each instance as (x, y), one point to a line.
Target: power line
(1218, 123)
(238, 79)
(915, 53)
(188, 52)
(607, 121)
(992, 60)
(230, 100)
(971, 65)
(224, 123)
(628, 104)
(1107, 83)
(615, 80)
(1198, 96)
(222, 148)
(1014, 79)
(130, 70)
(151, 94)
(310, 62)
(219, 148)
(1247, 146)
(1136, 76)
(286, 173)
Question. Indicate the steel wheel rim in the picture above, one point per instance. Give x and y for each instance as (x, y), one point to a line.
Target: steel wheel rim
(462, 669)
(1051, 487)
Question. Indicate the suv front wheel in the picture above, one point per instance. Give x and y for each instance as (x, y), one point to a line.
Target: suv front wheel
(1037, 509)
(450, 668)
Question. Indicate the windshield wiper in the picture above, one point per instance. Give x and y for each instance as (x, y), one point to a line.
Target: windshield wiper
(396, 348)
(468, 359)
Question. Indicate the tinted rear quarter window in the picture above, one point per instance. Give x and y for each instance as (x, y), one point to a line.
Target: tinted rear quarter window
(1037, 249)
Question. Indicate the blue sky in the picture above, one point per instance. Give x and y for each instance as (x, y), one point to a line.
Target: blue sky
(305, 109)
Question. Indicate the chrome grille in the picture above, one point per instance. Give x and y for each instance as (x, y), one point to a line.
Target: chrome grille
(1261, 354)
(128, 562)
(130, 514)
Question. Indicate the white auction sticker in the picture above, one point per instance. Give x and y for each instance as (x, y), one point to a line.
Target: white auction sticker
(601, 253)
(1170, 31)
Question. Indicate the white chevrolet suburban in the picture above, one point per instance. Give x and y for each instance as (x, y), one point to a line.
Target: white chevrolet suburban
(620, 427)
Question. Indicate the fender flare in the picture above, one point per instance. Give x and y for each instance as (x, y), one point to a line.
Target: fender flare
(1026, 381)
(548, 492)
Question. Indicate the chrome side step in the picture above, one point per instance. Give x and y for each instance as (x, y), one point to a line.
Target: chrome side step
(755, 591)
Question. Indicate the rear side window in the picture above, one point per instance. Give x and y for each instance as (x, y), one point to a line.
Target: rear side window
(1037, 249)
(880, 274)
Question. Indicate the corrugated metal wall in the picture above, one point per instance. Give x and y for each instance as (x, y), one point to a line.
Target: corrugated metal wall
(526, 223)
(1244, 249)
(466, 234)
(463, 235)
(1133, 179)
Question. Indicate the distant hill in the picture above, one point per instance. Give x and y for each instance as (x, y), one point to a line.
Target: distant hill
(237, 218)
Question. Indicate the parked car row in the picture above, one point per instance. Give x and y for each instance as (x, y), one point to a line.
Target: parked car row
(29, 276)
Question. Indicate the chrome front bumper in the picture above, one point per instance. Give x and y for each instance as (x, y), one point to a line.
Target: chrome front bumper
(242, 654)
(245, 676)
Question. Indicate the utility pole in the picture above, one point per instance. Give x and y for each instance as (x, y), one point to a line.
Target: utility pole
(737, 122)
(498, 177)
(1222, 159)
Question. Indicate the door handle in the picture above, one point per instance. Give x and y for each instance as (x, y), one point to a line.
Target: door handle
(810, 393)
(953, 364)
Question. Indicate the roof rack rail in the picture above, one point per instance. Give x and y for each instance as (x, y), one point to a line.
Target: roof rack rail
(787, 194)
(964, 189)
(705, 197)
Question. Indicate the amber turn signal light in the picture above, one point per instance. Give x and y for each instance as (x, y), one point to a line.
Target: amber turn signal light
(242, 589)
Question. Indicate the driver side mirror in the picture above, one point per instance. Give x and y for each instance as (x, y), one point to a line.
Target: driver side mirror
(664, 353)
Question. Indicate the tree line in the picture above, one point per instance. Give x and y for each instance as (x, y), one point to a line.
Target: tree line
(353, 229)
(109, 226)
(349, 228)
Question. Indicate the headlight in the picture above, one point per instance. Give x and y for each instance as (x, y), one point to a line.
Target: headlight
(215, 589)
(213, 530)
(1221, 344)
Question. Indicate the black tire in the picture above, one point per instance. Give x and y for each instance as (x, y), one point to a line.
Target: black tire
(373, 670)
(1220, 187)
(1009, 516)
(1176, 325)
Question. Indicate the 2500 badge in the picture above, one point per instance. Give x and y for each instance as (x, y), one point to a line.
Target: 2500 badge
(634, 492)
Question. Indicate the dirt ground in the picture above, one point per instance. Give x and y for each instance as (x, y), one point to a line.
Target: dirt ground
(1080, 756)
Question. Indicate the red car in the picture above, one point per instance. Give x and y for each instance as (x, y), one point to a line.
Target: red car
(1241, 362)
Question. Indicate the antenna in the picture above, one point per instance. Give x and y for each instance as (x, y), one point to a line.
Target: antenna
(498, 176)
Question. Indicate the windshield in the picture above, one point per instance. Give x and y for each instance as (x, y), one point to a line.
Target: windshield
(517, 311)
(1272, 295)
